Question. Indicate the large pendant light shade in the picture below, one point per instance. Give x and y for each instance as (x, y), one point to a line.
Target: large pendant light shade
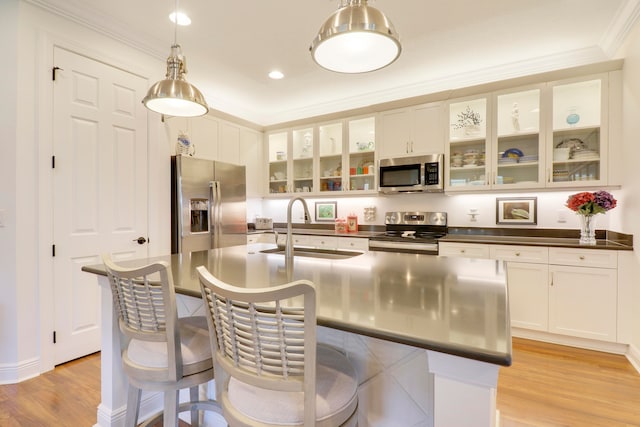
(357, 38)
(174, 96)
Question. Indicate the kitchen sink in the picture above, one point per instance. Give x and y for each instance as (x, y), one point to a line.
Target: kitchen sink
(315, 253)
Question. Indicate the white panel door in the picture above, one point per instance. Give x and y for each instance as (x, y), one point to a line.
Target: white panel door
(100, 189)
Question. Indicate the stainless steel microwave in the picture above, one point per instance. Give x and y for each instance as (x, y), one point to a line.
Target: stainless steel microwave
(411, 174)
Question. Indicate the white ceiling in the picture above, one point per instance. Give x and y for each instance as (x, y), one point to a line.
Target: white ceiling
(232, 45)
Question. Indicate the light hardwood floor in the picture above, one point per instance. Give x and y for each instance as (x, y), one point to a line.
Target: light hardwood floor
(547, 386)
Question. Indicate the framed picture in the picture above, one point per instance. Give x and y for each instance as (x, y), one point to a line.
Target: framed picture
(326, 211)
(516, 210)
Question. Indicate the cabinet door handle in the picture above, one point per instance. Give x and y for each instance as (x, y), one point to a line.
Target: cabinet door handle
(581, 257)
(462, 251)
(517, 253)
(551, 282)
(549, 175)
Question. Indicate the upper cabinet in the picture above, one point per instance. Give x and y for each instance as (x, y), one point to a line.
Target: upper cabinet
(330, 153)
(277, 154)
(516, 159)
(338, 156)
(412, 131)
(577, 138)
(361, 154)
(549, 135)
(469, 143)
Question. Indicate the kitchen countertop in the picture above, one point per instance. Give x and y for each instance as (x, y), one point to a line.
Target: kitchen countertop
(538, 237)
(456, 306)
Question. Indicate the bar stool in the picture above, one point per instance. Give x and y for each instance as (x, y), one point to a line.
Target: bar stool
(160, 352)
(270, 372)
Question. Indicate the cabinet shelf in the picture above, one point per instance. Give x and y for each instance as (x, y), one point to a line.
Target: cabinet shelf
(590, 160)
(518, 136)
(467, 168)
(517, 164)
(467, 140)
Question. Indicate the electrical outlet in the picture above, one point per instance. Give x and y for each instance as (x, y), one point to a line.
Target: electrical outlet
(562, 216)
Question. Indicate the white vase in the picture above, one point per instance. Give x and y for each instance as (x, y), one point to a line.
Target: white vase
(471, 130)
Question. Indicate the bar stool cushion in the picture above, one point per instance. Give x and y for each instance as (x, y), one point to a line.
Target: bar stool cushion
(336, 388)
(195, 344)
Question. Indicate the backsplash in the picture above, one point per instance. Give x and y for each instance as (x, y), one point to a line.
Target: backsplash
(551, 209)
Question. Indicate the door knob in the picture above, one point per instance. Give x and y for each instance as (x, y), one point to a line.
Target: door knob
(141, 240)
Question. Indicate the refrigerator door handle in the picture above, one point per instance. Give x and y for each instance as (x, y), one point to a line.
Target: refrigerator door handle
(215, 214)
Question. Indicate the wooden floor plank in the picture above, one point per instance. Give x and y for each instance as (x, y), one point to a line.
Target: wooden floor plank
(547, 386)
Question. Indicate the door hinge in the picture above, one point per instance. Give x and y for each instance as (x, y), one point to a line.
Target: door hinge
(54, 337)
(53, 73)
(53, 162)
(53, 250)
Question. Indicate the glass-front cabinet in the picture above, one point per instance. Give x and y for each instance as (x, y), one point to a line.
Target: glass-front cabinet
(516, 159)
(330, 157)
(549, 135)
(576, 151)
(361, 154)
(302, 154)
(468, 144)
(278, 170)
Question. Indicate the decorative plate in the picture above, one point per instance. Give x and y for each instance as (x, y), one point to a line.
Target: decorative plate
(512, 152)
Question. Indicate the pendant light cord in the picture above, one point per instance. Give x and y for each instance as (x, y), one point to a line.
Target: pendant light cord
(175, 26)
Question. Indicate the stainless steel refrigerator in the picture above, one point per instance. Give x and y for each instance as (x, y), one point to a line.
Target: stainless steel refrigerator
(208, 208)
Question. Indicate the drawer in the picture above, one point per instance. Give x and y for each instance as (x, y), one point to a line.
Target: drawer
(583, 257)
(353, 244)
(531, 254)
(321, 242)
(468, 250)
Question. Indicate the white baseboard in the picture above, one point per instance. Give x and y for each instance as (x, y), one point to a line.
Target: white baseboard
(605, 346)
(633, 355)
(18, 372)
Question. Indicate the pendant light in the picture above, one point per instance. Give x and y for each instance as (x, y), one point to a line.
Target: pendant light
(174, 96)
(357, 38)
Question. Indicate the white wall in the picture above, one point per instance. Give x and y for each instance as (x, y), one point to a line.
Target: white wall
(25, 242)
(631, 188)
(8, 164)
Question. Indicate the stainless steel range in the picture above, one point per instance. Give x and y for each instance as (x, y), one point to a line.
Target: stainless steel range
(414, 232)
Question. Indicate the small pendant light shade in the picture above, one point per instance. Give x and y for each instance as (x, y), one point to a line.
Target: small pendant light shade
(357, 38)
(174, 96)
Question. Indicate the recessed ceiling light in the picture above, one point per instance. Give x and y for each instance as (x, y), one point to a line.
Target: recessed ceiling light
(276, 75)
(182, 18)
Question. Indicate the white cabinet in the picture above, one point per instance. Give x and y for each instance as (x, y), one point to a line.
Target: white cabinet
(353, 244)
(583, 293)
(494, 141)
(251, 148)
(565, 291)
(333, 157)
(577, 148)
(229, 144)
(528, 280)
(467, 250)
(544, 136)
(412, 131)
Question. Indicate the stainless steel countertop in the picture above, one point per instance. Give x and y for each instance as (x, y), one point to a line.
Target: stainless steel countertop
(456, 306)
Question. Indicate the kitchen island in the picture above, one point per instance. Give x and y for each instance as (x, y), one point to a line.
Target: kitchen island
(454, 308)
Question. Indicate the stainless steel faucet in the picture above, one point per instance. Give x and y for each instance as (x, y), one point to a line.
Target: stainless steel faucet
(288, 251)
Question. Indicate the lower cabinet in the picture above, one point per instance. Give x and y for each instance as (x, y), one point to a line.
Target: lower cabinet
(583, 300)
(327, 242)
(566, 291)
